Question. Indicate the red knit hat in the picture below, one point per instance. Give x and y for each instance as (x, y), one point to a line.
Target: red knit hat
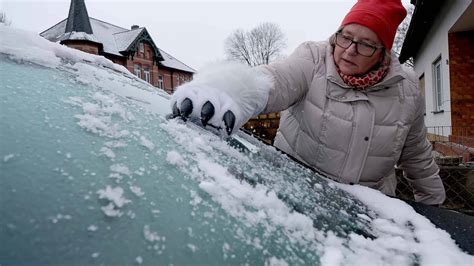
(381, 16)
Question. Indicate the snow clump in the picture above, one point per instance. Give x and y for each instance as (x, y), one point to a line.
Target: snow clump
(175, 158)
(117, 201)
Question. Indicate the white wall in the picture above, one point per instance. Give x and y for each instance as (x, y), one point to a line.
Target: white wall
(434, 45)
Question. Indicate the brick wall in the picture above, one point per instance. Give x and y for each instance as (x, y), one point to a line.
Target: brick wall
(144, 60)
(173, 78)
(168, 83)
(116, 59)
(461, 71)
(85, 46)
(264, 126)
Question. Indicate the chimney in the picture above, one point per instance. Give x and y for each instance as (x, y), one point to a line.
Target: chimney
(134, 27)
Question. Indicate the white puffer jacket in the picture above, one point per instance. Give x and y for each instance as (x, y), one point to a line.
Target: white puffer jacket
(352, 136)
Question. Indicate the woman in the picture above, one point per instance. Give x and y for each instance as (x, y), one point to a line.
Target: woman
(350, 110)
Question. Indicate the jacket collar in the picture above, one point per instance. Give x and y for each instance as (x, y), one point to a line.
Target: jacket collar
(394, 75)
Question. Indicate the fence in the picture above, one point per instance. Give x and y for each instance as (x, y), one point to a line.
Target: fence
(452, 145)
(458, 182)
(453, 150)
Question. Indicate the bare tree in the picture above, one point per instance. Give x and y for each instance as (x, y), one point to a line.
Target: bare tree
(4, 20)
(261, 45)
(401, 33)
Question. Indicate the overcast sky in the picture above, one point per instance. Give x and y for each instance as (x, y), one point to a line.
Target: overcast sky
(192, 31)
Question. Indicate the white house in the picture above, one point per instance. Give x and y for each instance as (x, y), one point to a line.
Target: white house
(440, 39)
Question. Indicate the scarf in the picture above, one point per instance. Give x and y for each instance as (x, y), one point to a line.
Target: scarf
(367, 80)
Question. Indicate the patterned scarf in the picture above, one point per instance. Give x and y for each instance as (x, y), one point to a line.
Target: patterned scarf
(367, 80)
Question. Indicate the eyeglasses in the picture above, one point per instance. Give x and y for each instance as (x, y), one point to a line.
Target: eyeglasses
(362, 48)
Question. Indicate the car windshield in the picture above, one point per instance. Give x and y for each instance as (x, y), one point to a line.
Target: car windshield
(92, 172)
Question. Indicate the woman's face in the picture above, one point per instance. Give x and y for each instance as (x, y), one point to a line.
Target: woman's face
(349, 61)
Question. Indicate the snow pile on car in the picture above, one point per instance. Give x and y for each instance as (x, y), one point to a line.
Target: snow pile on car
(267, 204)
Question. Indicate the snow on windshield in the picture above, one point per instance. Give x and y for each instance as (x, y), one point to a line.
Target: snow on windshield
(109, 168)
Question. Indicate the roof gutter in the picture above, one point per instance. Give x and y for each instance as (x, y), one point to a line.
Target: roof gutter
(421, 22)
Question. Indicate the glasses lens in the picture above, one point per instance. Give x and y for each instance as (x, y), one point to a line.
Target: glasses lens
(343, 41)
(365, 49)
(362, 48)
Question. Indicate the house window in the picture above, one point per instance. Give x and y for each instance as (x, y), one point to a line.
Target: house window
(437, 85)
(146, 72)
(137, 70)
(141, 47)
(160, 82)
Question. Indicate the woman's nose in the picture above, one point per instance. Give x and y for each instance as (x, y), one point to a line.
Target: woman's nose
(352, 49)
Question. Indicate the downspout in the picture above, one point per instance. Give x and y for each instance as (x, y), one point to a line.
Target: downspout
(172, 83)
(155, 62)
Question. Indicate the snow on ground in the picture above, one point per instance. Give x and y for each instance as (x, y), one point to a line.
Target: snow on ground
(400, 230)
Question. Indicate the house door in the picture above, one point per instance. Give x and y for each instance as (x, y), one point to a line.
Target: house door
(422, 84)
